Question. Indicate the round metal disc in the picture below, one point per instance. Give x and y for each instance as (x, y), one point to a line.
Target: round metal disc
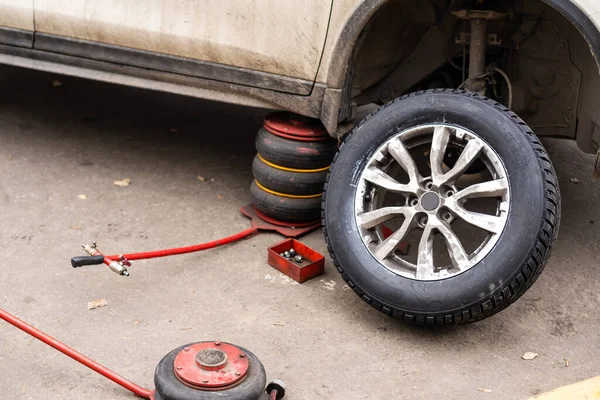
(295, 127)
(211, 365)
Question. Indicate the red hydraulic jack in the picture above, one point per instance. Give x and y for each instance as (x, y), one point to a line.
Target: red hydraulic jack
(204, 370)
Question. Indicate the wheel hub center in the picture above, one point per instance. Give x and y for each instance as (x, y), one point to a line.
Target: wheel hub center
(430, 201)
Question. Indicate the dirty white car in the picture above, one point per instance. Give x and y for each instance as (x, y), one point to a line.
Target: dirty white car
(450, 163)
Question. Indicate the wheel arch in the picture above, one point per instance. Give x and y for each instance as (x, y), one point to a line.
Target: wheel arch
(336, 103)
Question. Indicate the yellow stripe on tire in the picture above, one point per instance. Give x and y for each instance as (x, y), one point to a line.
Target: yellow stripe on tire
(290, 196)
(303, 171)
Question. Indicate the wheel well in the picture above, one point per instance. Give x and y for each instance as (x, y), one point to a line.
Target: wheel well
(549, 49)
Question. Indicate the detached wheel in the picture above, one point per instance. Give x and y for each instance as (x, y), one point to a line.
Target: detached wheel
(414, 235)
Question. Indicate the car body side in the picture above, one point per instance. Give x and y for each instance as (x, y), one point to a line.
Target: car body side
(318, 58)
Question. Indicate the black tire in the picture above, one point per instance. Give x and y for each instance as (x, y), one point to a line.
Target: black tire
(293, 153)
(286, 209)
(522, 250)
(294, 183)
(168, 387)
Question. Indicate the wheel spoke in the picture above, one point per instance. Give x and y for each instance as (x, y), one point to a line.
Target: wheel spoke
(403, 157)
(469, 154)
(405, 153)
(425, 256)
(383, 180)
(494, 188)
(371, 219)
(490, 223)
(458, 255)
(389, 245)
(441, 137)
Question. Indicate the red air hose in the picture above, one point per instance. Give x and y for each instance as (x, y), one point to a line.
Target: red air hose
(66, 350)
(119, 262)
(189, 249)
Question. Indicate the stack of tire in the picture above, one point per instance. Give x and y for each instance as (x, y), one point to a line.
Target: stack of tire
(294, 155)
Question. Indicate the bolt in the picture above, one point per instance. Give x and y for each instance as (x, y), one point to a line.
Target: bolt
(368, 197)
(447, 216)
(243, 355)
(186, 349)
(299, 258)
(282, 254)
(217, 343)
(204, 380)
(287, 254)
(423, 221)
(414, 202)
(429, 185)
(179, 368)
(292, 252)
(238, 373)
(450, 193)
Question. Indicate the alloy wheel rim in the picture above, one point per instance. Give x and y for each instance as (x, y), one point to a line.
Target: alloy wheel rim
(412, 181)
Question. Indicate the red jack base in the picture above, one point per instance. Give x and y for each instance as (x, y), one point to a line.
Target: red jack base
(265, 223)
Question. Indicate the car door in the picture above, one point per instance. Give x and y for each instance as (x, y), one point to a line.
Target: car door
(273, 44)
(16, 22)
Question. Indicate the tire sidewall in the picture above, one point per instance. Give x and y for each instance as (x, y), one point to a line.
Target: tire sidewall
(502, 131)
(288, 153)
(287, 182)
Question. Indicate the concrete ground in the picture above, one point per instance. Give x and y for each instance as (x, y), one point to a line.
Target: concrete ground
(60, 143)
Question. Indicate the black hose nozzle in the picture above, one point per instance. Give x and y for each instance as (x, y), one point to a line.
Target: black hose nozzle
(81, 261)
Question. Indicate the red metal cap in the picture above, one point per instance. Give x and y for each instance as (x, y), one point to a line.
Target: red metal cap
(295, 127)
(211, 366)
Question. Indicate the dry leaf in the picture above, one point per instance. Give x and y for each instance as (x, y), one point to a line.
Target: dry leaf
(574, 180)
(82, 197)
(56, 83)
(135, 323)
(529, 356)
(77, 228)
(485, 390)
(186, 329)
(201, 178)
(97, 304)
(278, 324)
(123, 183)
(567, 362)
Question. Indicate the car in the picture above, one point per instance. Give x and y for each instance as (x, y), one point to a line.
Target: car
(441, 206)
